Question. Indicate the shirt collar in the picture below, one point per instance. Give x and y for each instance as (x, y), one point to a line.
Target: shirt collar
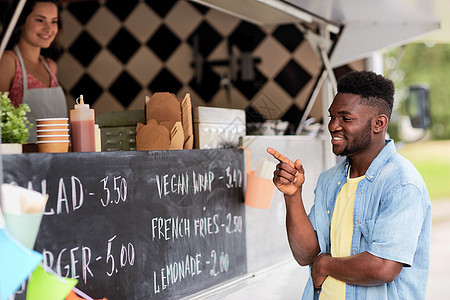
(378, 162)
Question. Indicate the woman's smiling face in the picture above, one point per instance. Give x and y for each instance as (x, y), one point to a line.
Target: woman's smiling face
(41, 26)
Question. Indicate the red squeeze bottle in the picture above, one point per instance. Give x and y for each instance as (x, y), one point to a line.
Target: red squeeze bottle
(82, 121)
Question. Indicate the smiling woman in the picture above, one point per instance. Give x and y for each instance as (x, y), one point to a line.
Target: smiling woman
(28, 66)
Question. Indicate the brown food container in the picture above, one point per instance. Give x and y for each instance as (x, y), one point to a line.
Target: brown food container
(169, 123)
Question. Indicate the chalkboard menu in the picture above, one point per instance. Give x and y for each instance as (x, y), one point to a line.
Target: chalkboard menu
(139, 225)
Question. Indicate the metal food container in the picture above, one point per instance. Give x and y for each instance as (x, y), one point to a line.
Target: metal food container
(218, 127)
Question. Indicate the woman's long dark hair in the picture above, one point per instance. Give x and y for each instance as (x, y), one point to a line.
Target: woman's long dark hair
(53, 51)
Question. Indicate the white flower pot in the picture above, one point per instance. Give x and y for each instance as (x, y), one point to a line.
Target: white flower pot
(11, 148)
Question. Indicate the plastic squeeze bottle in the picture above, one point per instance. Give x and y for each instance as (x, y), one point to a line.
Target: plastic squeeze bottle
(82, 121)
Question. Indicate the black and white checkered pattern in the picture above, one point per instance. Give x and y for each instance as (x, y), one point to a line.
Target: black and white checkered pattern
(116, 52)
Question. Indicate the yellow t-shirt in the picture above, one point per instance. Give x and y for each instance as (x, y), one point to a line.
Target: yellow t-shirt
(341, 232)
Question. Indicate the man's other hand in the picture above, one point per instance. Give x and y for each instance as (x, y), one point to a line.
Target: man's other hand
(317, 276)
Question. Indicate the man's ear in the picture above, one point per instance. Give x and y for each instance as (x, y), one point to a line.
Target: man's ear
(381, 123)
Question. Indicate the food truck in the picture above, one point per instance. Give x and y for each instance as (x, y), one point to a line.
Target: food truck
(178, 224)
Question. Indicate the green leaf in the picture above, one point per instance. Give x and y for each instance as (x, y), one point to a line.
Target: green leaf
(15, 126)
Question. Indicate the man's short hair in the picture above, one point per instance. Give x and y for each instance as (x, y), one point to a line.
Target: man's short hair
(375, 90)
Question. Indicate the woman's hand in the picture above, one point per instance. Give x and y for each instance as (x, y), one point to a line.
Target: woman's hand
(288, 176)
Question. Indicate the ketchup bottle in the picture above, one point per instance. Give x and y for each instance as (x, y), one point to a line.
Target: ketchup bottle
(82, 121)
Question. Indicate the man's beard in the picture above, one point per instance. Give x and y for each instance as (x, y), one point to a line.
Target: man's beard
(360, 143)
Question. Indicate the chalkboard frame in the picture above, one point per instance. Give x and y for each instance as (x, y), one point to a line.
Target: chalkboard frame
(130, 245)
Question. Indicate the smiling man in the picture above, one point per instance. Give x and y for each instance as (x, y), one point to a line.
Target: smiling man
(367, 235)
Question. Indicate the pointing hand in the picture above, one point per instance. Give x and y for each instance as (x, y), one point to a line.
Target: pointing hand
(288, 176)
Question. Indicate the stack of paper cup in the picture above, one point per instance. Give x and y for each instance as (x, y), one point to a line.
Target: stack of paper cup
(53, 134)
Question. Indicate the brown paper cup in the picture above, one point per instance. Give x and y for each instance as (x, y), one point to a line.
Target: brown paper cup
(259, 191)
(52, 131)
(46, 121)
(52, 126)
(53, 137)
(53, 146)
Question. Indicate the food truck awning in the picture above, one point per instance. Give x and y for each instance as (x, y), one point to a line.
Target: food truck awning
(367, 25)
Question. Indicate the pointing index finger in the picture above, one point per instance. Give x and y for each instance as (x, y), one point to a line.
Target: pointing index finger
(278, 156)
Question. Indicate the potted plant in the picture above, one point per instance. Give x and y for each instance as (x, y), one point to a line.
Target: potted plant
(15, 127)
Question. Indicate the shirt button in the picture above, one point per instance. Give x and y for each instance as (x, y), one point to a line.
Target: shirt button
(354, 251)
(357, 222)
(328, 211)
(371, 177)
(339, 182)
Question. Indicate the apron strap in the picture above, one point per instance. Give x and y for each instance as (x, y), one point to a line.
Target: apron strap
(44, 62)
(24, 71)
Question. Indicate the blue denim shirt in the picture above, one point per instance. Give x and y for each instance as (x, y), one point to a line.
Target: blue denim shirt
(391, 220)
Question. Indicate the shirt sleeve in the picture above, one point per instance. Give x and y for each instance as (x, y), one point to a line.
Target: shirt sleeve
(311, 216)
(397, 228)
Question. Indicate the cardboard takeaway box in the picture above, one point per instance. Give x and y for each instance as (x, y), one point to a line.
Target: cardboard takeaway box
(169, 123)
